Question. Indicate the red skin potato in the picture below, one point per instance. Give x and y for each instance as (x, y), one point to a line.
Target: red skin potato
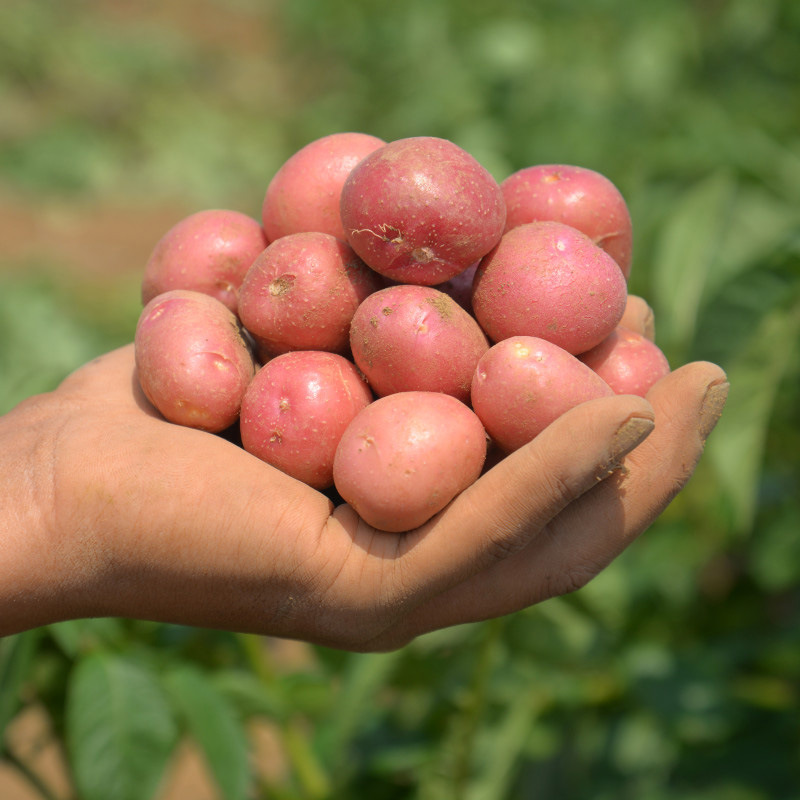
(627, 361)
(304, 194)
(524, 383)
(549, 280)
(301, 293)
(209, 251)
(296, 409)
(576, 196)
(416, 338)
(406, 456)
(421, 210)
(192, 360)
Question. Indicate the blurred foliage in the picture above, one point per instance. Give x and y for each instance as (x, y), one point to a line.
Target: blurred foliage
(675, 673)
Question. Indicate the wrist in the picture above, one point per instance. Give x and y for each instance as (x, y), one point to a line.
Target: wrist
(39, 578)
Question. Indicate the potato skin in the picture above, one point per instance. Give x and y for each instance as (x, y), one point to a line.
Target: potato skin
(416, 338)
(304, 194)
(576, 196)
(192, 360)
(301, 293)
(406, 456)
(421, 210)
(524, 383)
(549, 280)
(627, 361)
(209, 251)
(295, 410)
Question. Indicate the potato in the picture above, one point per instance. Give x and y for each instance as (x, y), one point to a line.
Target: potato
(576, 196)
(416, 338)
(627, 361)
(549, 280)
(304, 193)
(406, 456)
(524, 383)
(295, 411)
(193, 362)
(301, 293)
(421, 210)
(476, 312)
(209, 251)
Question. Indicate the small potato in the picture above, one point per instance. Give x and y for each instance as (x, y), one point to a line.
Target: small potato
(406, 456)
(420, 210)
(524, 383)
(549, 280)
(296, 409)
(304, 193)
(627, 361)
(209, 251)
(192, 360)
(576, 196)
(301, 293)
(416, 338)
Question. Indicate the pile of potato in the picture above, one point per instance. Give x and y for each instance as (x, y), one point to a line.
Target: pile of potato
(395, 312)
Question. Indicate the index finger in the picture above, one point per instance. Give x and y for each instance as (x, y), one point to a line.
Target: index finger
(506, 508)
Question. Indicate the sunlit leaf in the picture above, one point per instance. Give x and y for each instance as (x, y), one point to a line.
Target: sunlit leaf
(120, 728)
(80, 635)
(686, 255)
(737, 447)
(211, 720)
(250, 695)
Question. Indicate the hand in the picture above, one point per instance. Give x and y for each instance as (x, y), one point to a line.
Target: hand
(106, 509)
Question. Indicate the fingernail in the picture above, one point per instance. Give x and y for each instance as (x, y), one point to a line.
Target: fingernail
(711, 408)
(629, 435)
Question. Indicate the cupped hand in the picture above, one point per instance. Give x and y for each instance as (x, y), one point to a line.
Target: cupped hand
(111, 510)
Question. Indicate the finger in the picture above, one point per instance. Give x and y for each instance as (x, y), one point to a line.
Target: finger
(639, 317)
(580, 541)
(505, 509)
(588, 536)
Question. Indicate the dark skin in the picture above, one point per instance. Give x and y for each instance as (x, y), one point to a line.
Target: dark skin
(107, 509)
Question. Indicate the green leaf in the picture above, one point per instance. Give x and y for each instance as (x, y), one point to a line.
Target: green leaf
(16, 656)
(685, 256)
(211, 720)
(760, 225)
(32, 361)
(119, 727)
(76, 636)
(737, 447)
(250, 695)
(775, 557)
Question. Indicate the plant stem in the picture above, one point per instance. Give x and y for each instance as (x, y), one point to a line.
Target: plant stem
(306, 766)
(475, 705)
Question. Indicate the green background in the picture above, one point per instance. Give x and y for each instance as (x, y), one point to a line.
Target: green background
(675, 673)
